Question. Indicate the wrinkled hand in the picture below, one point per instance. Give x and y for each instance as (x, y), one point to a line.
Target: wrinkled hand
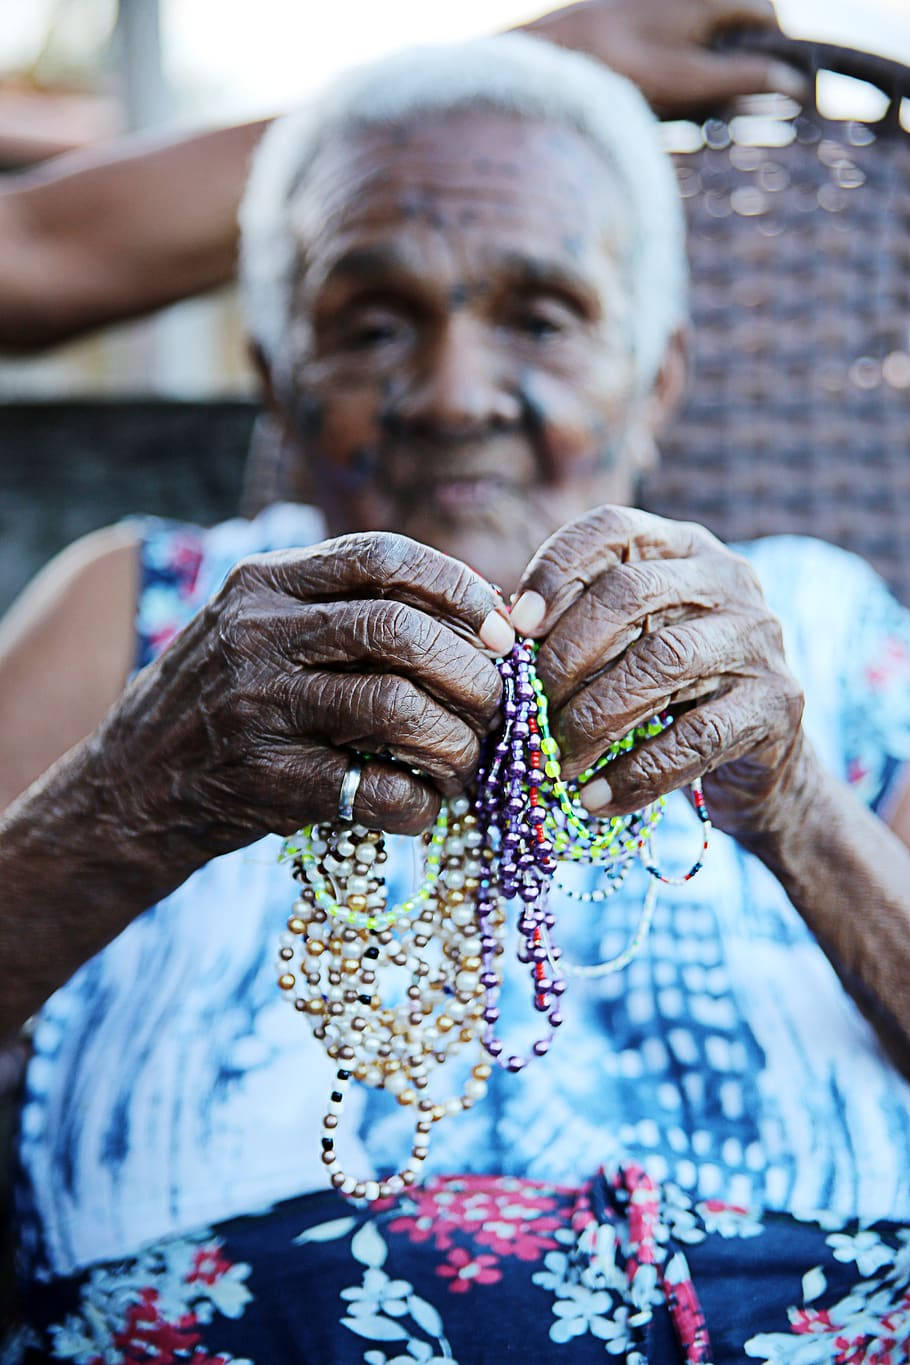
(642, 613)
(245, 723)
(664, 46)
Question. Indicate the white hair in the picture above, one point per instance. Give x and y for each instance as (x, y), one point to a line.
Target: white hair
(512, 72)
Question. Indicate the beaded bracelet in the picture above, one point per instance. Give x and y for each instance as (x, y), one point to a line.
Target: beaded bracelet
(395, 992)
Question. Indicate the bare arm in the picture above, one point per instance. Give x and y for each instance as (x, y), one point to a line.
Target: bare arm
(848, 875)
(95, 237)
(74, 871)
(66, 649)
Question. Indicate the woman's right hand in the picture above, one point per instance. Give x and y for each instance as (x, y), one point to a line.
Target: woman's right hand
(245, 724)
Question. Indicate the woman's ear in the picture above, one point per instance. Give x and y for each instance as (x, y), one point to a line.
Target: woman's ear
(276, 468)
(670, 383)
(656, 408)
(264, 374)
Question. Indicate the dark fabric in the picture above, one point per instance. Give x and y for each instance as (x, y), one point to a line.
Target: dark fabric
(480, 1270)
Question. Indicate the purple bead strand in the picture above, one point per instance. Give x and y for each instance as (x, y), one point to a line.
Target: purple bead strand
(521, 864)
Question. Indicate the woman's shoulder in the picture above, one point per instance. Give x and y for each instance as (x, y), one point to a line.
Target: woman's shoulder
(66, 649)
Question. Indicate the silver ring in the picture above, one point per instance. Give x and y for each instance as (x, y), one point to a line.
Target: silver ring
(348, 794)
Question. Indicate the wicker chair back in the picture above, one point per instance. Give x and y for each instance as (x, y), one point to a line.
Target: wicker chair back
(797, 417)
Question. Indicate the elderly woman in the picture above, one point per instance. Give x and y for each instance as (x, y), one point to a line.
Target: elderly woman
(465, 282)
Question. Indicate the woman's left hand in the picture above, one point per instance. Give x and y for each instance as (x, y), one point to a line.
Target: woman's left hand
(636, 614)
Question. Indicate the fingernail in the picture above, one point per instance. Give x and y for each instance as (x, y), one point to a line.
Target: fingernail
(497, 634)
(528, 612)
(596, 794)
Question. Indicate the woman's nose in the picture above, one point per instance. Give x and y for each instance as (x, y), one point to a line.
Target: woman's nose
(461, 387)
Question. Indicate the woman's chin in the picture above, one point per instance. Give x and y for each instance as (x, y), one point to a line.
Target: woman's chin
(496, 535)
(499, 553)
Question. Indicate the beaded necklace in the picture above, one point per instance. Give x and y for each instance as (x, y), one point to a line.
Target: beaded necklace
(393, 992)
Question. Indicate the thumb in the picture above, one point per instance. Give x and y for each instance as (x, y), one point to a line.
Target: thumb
(567, 563)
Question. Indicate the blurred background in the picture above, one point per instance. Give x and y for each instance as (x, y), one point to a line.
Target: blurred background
(802, 344)
(76, 72)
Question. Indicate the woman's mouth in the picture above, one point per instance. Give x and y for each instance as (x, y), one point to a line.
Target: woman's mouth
(466, 492)
(463, 493)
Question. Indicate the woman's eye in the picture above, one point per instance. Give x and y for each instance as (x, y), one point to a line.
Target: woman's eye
(370, 326)
(365, 335)
(543, 321)
(537, 325)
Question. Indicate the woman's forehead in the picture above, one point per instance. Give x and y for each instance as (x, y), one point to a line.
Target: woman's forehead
(477, 175)
(492, 142)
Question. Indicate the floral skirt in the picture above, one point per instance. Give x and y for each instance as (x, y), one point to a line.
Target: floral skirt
(478, 1270)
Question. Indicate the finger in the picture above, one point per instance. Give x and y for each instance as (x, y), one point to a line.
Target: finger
(730, 13)
(714, 76)
(631, 600)
(719, 731)
(651, 674)
(397, 638)
(578, 553)
(388, 797)
(386, 714)
(388, 565)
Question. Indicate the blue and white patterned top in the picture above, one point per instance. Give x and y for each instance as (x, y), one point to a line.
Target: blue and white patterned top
(171, 1086)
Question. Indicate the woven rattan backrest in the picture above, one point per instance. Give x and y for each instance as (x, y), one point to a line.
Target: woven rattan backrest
(797, 416)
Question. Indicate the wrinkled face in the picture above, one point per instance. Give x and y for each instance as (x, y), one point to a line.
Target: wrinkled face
(460, 366)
